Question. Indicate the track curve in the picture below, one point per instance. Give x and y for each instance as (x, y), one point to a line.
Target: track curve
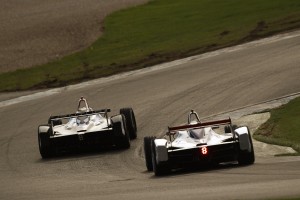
(223, 81)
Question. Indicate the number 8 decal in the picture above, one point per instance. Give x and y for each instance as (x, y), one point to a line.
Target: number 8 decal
(204, 150)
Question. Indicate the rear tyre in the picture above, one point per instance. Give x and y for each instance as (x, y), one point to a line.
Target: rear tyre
(160, 169)
(246, 157)
(122, 139)
(148, 153)
(130, 121)
(45, 146)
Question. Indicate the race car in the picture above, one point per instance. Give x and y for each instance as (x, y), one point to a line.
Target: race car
(198, 144)
(87, 128)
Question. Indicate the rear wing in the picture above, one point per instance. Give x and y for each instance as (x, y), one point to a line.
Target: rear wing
(67, 116)
(172, 130)
(199, 125)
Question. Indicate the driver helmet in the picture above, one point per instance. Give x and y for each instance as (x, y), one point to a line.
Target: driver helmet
(82, 108)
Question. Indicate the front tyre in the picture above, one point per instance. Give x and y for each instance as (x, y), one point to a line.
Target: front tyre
(130, 121)
(227, 128)
(55, 122)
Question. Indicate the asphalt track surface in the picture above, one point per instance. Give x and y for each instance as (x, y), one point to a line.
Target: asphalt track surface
(34, 32)
(213, 83)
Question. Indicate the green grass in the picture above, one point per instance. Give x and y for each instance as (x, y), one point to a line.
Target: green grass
(295, 198)
(160, 31)
(283, 127)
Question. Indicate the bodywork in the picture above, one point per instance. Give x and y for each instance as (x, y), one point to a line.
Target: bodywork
(81, 129)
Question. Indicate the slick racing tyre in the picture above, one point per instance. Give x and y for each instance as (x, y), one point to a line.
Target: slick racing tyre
(148, 153)
(130, 121)
(122, 139)
(159, 169)
(54, 122)
(246, 157)
(228, 130)
(45, 146)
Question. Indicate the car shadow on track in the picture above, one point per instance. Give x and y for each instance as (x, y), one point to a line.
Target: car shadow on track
(199, 169)
(83, 153)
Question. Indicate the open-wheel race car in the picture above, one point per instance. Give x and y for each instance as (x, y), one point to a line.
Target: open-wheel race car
(86, 128)
(198, 144)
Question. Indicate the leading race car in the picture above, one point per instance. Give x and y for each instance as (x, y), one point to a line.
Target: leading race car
(198, 143)
(86, 128)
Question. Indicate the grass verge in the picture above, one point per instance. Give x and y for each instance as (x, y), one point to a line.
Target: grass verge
(283, 127)
(160, 31)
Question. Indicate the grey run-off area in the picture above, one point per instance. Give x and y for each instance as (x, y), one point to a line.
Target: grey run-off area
(34, 32)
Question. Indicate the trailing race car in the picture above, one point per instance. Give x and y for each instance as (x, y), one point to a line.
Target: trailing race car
(86, 128)
(199, 143)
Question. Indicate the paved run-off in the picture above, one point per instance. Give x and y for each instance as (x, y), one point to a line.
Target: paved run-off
(35, 32)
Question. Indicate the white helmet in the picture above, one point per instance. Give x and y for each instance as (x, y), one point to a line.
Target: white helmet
(82, 109)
